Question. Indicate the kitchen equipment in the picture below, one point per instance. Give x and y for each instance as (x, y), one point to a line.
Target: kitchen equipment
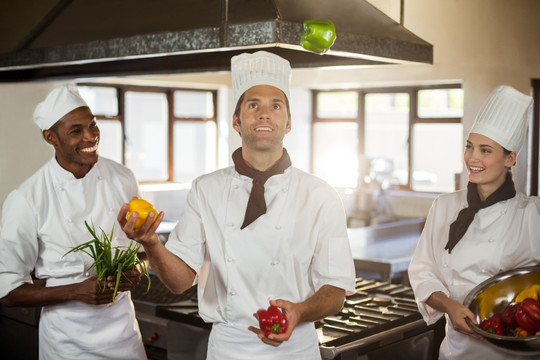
(19, 332)
(492, 296)
(160, 334)
(385, 249)
(192, 36)
(380, 321)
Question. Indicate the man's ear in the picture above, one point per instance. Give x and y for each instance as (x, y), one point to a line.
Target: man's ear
(50, 137)
(236, 123)
(288, 127)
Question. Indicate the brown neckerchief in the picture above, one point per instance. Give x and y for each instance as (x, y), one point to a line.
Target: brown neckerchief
(256, 205)
(466, 215)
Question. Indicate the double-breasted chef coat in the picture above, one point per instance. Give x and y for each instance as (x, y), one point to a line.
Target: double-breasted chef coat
(290, 252)
(42, 220)
(501, 237)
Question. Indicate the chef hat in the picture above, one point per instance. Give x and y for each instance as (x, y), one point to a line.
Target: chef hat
(504, 117)
(259, 68)
(58, 103)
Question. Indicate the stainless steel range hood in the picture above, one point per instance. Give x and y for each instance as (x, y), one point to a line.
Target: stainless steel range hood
(88, 38)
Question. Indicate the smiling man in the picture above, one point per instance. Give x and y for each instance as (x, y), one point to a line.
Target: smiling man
(258, 232)
(44, 218)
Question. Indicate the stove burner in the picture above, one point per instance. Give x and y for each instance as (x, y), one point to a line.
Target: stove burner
(374, 308)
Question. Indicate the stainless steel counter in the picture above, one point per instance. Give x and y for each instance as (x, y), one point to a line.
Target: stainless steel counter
(386, 249)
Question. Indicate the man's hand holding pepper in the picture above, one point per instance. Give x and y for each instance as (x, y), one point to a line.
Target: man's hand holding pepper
(326, 301)
(146, 234)
(291, 312)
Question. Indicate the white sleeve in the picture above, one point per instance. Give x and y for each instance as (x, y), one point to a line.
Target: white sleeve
(424, 270)
(533, 224)
(188, 240)
(333, 263)
(18, 243)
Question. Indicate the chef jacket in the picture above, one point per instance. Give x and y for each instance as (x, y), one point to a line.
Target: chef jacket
(42, 220)
(501, 237)
(289, 253)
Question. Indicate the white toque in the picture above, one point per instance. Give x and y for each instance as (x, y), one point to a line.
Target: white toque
(58, 103)
(259, 68)
(505, 117)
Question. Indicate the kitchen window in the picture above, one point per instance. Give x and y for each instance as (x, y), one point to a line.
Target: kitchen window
(161, 134)
(399, 138)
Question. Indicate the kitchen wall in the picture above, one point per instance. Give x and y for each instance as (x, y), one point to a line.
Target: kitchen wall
(480, 43)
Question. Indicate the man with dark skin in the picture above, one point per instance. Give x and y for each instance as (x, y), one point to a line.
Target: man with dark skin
(44, 218)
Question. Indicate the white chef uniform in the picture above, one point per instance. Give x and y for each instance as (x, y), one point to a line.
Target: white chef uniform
(43, 219)
(298, 246)
(501, 237)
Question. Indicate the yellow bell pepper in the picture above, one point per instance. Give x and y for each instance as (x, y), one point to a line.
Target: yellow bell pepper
(143, 208)
(530, 292)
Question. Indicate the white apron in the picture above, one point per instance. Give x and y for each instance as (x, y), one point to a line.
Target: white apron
(228, 342)
(112, 335)
(44, 218)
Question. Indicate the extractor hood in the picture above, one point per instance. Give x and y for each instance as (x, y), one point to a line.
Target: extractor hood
(67, 38)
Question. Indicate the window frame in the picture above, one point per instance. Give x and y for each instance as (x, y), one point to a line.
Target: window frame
(121, 90)
(414, 118)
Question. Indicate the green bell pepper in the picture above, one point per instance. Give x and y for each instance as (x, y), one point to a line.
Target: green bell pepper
(318, 35)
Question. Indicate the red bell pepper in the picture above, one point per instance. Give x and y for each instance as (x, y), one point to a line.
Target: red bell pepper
(528, 315)
(493, 325)
(272, 320)
(508, 315)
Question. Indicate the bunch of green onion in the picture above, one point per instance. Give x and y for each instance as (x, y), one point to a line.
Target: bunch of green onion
(109, 260)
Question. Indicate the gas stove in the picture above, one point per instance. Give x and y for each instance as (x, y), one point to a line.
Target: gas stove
(380, 321)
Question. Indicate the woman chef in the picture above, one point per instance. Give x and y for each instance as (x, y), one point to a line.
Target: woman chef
(473, 234)
(44, 218)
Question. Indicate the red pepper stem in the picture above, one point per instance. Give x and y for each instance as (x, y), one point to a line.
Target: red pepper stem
(275, 328)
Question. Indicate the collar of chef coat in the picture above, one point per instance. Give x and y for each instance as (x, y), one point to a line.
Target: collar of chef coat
(63, 176)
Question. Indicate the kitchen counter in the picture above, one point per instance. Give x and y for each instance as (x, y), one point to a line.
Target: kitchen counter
(386, 249)
(19, 332)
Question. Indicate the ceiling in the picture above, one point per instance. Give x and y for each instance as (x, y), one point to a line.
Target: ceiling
(67, 38)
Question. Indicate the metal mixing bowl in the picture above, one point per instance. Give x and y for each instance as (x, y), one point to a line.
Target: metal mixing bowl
(492, 296)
